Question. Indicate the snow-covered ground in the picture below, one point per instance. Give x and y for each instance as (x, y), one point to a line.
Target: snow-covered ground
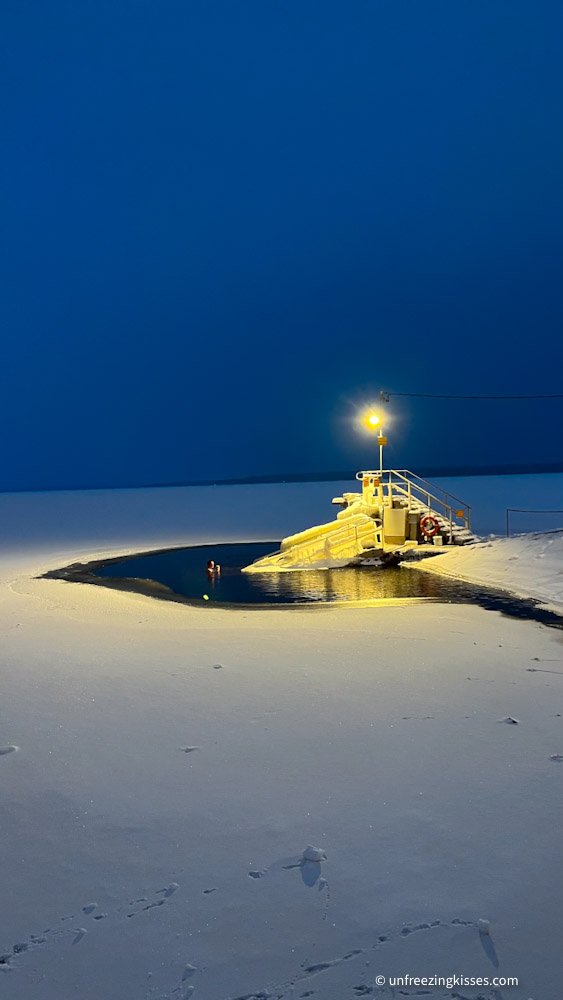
(527, 565)
(173, 764)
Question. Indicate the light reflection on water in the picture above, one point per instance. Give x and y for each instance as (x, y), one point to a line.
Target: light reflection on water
(181, 574)
(183, 571)
(346, 584)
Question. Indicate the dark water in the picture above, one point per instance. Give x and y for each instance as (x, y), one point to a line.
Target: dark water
(183, 572)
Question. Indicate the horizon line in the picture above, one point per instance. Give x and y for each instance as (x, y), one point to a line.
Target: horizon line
(438, 472)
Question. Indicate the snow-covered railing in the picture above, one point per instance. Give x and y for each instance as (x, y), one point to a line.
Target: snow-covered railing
(436, 500)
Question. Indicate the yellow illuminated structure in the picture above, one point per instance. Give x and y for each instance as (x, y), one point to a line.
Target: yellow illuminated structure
(395, 512)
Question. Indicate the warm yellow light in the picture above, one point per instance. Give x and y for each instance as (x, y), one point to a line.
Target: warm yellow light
(372, 420)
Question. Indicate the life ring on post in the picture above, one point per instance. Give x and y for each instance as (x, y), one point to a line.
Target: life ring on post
(429, 525)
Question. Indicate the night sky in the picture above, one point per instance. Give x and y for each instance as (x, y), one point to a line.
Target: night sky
(228, 223)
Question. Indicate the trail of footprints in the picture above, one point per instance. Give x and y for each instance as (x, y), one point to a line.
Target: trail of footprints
(286, 990)
(84, 921)
(90, 914)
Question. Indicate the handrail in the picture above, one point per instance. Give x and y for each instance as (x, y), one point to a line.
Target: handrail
(423, 487)
(447, 513)
(412, 475)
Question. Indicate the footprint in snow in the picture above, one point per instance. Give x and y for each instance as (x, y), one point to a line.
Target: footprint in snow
(510, 721)
(168, 890)
(310, 865)
(53, 934)
(188, 749)
(7, 750)
(366, 989)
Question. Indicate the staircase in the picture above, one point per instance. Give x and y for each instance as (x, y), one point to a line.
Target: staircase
(405, 489)
(370, 525)
(452, 532)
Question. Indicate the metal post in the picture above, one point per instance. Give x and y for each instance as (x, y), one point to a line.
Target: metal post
(380, 453)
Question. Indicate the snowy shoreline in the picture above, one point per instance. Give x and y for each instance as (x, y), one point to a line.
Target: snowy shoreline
(164, 768)
(510, 564)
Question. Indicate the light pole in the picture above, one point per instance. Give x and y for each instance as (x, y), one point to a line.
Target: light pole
(373, 422)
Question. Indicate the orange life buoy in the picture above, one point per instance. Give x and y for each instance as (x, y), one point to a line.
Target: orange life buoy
(429, 525)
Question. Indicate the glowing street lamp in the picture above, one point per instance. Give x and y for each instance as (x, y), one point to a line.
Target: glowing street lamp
(373, 421)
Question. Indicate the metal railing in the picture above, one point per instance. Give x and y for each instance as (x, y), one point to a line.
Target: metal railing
(401, 481)
(526, 510)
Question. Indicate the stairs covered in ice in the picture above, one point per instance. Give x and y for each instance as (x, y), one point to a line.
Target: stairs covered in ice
(395, 512)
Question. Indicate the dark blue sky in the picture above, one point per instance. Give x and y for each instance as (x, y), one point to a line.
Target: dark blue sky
(226, 223)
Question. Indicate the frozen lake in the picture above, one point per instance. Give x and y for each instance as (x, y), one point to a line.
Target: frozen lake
(165, 767)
